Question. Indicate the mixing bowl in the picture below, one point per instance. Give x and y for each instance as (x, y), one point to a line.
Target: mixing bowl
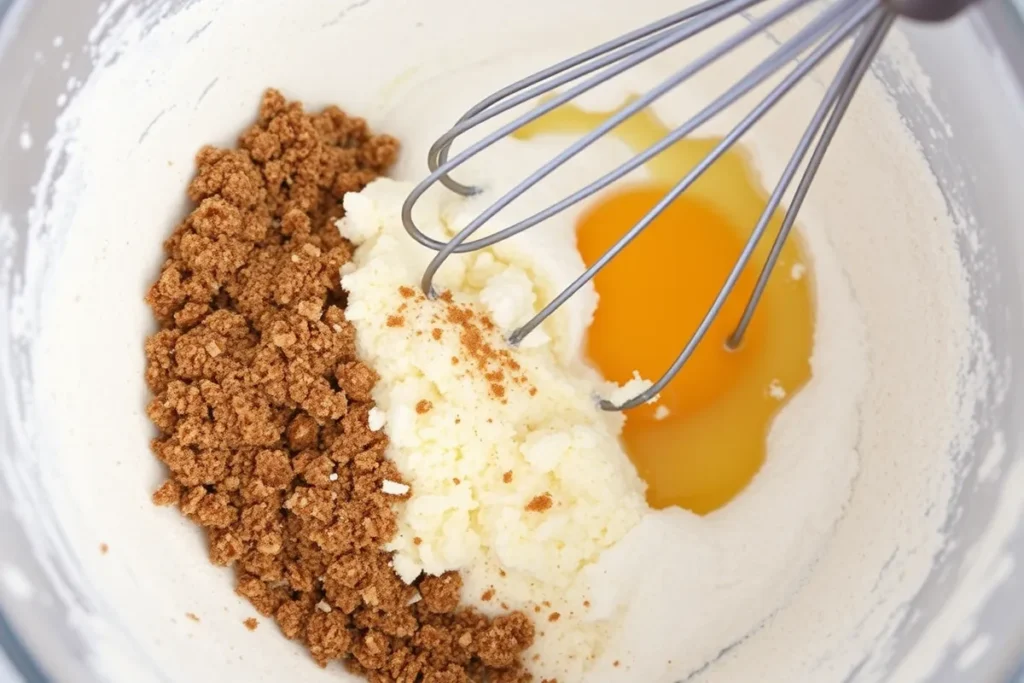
(964, 106)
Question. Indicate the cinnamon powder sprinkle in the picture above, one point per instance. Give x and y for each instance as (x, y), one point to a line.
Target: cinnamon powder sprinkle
(488, 595)
(480, 341)
(507, 477)
(251, 624)
(541, 503)
(555, 616)
(424, 407)
(191, 616)
(261, 406)
(436, 333)
(395, 321)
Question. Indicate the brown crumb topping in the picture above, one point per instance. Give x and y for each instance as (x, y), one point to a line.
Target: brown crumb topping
(251, 623)
(424, 407)
(262, 407)
(541, 503)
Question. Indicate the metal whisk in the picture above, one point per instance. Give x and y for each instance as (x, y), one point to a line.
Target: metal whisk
(864, 22)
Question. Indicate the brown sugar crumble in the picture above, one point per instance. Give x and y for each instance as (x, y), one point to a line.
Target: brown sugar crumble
(424, 407)
(191, 616)
(395, 321)
(554, 616)
(262, 405)
(507, 477)
(488, 595)
(251, 623)
(541, 503)
(104, 548)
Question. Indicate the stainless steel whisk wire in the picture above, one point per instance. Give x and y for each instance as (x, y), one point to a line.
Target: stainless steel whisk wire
(868, 21)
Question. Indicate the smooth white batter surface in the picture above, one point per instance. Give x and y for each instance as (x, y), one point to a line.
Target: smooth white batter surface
(808, 568)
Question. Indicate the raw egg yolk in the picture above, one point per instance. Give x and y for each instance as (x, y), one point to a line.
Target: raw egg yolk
(656, 292)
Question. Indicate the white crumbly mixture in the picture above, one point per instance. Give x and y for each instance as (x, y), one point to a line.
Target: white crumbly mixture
(797, 580)
(476, 459)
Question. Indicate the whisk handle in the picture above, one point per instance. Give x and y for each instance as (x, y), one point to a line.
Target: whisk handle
(928, 10)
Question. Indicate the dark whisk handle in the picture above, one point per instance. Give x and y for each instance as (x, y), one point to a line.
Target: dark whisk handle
(928, 10)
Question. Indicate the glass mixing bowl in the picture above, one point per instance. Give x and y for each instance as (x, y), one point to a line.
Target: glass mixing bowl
(976, 68)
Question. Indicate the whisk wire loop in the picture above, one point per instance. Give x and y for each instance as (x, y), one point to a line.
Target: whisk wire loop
(783, 55)
(629, 44)
(869, 41)
(834, 91)
(698, 24)
(721, 148)
(866, 21)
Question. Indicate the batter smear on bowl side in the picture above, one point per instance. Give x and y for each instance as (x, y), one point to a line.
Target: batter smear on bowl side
(265, 413)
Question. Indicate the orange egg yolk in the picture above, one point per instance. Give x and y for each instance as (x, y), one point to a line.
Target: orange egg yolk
(654, 294)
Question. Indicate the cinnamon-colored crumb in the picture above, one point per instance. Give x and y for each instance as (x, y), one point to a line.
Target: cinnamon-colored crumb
(104, 548)
(507, 477)
(554, 616)
(251, 624)
(481, 343)
(417, 541)
(541, 503)
(395, 321)
(407, 292)
(436, 333)
(424, 406)
(616, 663)
(488, 595)
(191, 616)
(456, 481)
(262, 407)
